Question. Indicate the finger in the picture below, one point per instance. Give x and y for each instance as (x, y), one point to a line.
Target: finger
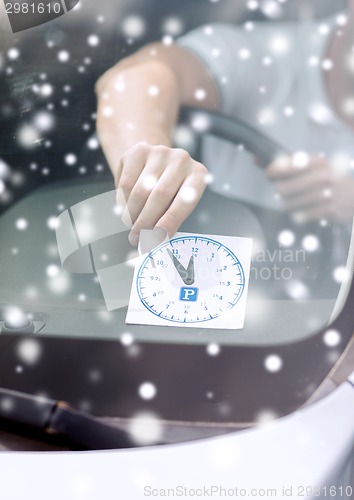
(307, 199)
(184, 203)
(144, 185)
(133, 162)
(287, 166)
(320, 177)
(158, 202)
(315, 213)
(279, 168)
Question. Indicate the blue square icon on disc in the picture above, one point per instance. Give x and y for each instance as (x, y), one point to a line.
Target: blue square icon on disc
(188, 294)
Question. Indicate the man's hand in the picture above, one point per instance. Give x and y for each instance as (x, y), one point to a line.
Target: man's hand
(315, 190)
(161, 186)
(137, 110)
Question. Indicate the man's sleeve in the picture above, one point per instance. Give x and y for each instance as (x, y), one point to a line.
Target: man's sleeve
(234, 58)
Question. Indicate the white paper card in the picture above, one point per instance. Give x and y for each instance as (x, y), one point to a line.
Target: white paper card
(192, 280)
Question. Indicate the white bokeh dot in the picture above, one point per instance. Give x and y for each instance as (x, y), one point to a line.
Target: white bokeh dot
(342, 19)
(200, 94)
(46, 90)
(267, 61)
(133, 26)
(29, 351)
(208, 30)
(63, 56)
(273, 363)
(244, 53)
(341, 274)
(15, 317)
(93, 143)
(147, 390)
(70, 159)
(297, 290)
(188, 194)
(127, 338)
(265, 416)
(43, 121)
(167, 40)
(279, 44)
(173, 26)
(323, 29)
(271, 9)
(13, 53)
(145, 428)
(300, 159)
(93, 40)
(209, 178)
(21, 224)
(183, 136)
(286, 238)
(320, 113)
(153, 91)
(120, 85)
(53, 222)
(60, 283)
(327, 64)
(310, 243)
(332, 338)
(7, 404)
(27, 136)
(213, 349)
(107, 111)
(289, 111)
(313, 61)
(200, 122)
(52, 270)
(149, 182)
(252, 4)
(4, 169)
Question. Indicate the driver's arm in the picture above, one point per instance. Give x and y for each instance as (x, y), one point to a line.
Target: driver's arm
(138, 103)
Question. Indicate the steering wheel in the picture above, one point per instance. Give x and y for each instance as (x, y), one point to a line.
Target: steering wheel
(234, 130)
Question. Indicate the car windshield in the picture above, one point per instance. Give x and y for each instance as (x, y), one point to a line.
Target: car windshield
(52, 164)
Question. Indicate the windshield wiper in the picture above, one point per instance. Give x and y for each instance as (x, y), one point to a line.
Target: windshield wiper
(57, 417)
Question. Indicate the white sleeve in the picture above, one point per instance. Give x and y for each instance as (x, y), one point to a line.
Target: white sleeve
(235, 58)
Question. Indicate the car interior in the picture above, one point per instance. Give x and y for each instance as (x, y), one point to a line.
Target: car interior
(58, 340)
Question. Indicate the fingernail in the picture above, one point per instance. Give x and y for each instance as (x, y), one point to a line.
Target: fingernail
(133, 239)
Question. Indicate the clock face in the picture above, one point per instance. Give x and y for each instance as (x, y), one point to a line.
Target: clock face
(190, 279)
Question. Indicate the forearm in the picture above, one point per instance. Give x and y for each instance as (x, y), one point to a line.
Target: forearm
(136, 104)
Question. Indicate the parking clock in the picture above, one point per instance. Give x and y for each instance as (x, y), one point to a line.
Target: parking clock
(192, 280)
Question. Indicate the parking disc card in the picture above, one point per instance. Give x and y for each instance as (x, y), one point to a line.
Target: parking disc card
(192, 280)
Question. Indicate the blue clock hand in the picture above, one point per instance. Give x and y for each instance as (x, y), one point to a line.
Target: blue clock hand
(190, 272)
